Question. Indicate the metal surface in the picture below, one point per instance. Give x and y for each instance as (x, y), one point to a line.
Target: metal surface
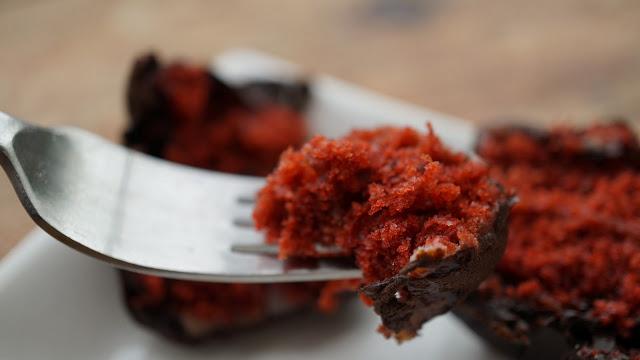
(141, 213)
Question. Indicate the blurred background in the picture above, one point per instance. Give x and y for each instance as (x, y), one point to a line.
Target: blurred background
(539, 62)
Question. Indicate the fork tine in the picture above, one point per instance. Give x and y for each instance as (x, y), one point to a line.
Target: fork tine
(242, 216)
(248, 199)
(259, 249)
(269, 249)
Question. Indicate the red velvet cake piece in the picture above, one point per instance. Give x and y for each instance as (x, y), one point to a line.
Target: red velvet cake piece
(425, 224)
(571, 269)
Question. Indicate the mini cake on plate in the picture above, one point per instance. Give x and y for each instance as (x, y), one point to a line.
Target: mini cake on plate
(569, 282)
(183, 113)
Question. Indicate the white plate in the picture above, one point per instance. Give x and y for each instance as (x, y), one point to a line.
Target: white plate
(57, 304)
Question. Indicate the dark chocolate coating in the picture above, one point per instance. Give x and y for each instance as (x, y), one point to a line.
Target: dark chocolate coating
(149, 114)
(160, 319)
(594, 152)
(522, 332)
(166, 319)
(405, 302)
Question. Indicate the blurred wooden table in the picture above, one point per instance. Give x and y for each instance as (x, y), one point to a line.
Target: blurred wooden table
(66, 61)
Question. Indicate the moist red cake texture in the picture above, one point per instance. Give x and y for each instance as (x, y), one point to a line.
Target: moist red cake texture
(389, 198)
(573, 255)
(183, 113)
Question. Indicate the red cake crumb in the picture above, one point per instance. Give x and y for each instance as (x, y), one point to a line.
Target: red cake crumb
(388, 197)
(182, 113)
(574, 236)
(240, 141)
(206, 124)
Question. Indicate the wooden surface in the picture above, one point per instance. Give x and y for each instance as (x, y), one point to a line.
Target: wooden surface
(66, 61)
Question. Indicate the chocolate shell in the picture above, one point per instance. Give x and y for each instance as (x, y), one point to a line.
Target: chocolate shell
(406, 301)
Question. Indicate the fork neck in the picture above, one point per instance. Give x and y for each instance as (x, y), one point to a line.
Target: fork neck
(9, 127)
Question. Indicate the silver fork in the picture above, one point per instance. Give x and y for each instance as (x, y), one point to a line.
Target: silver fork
(144, 214)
